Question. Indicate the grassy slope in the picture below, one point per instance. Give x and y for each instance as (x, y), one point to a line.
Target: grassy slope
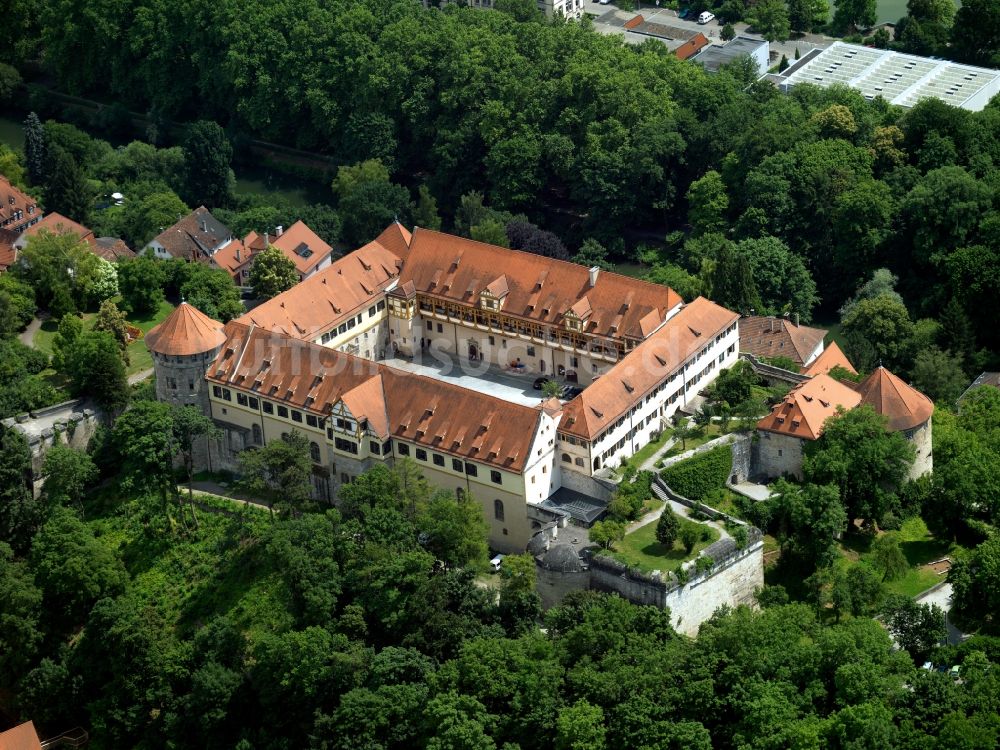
(641, 550)
(219, 570)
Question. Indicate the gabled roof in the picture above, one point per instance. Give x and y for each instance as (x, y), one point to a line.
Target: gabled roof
(21, 737)
(439, 416)
(302, 246)
(233, 257)
(691, 47)
(656, 358)
(396, 239)
(805, 408)
(831, 357)
(56, 223)
(111, 249)
(320, 302)
(195, 236)
(764, 336)
(904, 405)
(12, 200)
(540, 289)
(187, 330)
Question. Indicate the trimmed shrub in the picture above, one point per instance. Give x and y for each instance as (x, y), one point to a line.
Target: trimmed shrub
(699, 475)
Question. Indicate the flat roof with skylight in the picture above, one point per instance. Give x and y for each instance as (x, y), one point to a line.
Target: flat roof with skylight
(900, 79)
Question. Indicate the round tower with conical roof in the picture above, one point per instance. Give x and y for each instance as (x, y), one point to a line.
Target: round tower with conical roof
(183, 346)
(908, 412)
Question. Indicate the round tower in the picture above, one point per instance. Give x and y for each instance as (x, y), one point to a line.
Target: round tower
(183, 346)
(908, 411)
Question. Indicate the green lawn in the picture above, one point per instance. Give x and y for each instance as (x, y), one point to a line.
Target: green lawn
(708, 432)
(648, 450)
(139, 357)
(918, 545)
(641, 550)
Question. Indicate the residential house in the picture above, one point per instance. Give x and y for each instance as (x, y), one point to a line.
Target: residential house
(18, 211)
(55, 223)
(691, 47)
(194, 238)
(551, 8)
(22, 737)
(112, 249)
(299, 243)
(768, 337)
(8, 253)
(831, 358)
(985, 378)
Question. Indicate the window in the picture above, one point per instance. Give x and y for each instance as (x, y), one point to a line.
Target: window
(374, 447)
(498, 509)
(471, 469)
(386, 447)
(495, 477)
(456, 464)
(566, 458)
(296, 416)
(283, 411)
(311, 420)
(217, 391)
(258, 437)
(254, 402)
(241, 399)
(780, 452)
(421, 454)
(190, 384)
(438, 459)
(492, 341)
(574, 362)
(579, 461)
(440, 328)
(380, 305)
(314, 452)
(348, 446)
(226, 394)
(404, 449)
(531, 351)
(268, 407)
(344, 479)
(371, 312)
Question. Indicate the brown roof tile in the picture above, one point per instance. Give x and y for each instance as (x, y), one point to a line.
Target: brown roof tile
(778, 337)
(8, 253)
(13, 200)
(111, 249)
(806, 407)
(303, 247)
(320, 302)
(831, 357)
(540, 289)
(21, 737)
(439, 416)
(56, 223)
(691, 47)
(187, 330)
(194, 236)
(904, 405)
(642, 369)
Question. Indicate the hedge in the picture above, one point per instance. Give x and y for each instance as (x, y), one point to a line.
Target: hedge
(700, 474)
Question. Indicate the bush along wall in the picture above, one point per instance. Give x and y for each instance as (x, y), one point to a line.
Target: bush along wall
(700, 474)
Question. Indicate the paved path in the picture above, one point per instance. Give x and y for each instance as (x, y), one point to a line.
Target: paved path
(683, 511)
(138, 377)
(650, 463)
(942, 597)
(209, 487)
(27, 336)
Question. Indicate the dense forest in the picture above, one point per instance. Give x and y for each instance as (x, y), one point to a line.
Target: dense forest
(161, 619)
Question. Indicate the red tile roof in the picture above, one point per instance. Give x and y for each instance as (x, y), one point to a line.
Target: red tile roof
(645, 367)
(904, 405)
(319, 303)
(111, 249)
(56, 223)
(21, 737)
(831, 357)
(806, 407)
(541, 289)
(195, 236)
(13, 201)
(187, 330)
(303, 247)
(691, 47)
(778, 337)
(436, 415)
(232, 258)
(8, 253)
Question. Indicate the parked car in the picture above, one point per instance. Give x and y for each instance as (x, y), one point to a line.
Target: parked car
(684, 13)
(706, 17)
(540, 383)
(570, 392)
(496, 562)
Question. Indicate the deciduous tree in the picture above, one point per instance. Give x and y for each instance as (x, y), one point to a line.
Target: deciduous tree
(207, 157)
(272, 273)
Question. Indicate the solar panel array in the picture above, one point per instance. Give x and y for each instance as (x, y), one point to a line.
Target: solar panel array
(900, 79)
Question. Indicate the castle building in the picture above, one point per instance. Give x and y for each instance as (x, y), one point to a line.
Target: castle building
(311, 360)
(803, 412)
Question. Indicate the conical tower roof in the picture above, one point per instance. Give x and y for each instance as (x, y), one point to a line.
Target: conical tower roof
(904, 405)
(187, 330)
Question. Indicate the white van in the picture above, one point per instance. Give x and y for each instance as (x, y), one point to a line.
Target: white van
(705, 17)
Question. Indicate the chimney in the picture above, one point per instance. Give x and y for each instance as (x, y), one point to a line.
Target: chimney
(237, 255)
(204, 226)
(279, 230)
(593, 276)
(796, 320)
